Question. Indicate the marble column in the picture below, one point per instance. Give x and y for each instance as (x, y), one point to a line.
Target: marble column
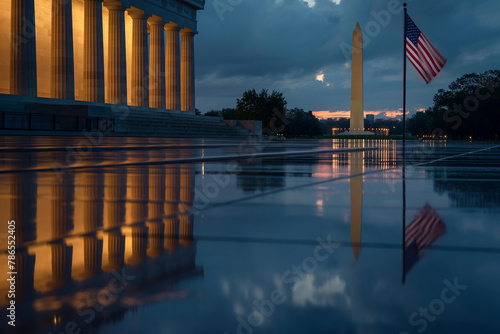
(187, 69)
(23, 48)
(172, 67)
(93, 57)
(156, 63)
(139, 91)
(62, 80)
(116, 85)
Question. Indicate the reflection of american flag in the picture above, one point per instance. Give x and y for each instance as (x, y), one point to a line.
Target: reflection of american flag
(422, 232)
(421, 53)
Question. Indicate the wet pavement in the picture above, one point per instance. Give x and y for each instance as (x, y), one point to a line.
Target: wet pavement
(124, 235)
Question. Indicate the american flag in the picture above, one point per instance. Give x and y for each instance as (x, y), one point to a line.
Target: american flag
(421, 53)
(422, 232)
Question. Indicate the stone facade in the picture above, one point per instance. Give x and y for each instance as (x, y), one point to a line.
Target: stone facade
(117, 52)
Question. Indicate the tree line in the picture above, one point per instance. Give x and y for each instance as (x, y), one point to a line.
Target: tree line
(270, 108)
(469, 108)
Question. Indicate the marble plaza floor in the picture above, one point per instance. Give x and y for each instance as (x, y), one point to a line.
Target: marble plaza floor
(124, 235)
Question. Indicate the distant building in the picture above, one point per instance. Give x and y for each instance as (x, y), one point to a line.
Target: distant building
(370, 118)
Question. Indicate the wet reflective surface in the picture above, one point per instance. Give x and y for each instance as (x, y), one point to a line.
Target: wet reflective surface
(123, 235)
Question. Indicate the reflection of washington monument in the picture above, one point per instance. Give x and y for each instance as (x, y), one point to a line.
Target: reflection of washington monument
(356, 168)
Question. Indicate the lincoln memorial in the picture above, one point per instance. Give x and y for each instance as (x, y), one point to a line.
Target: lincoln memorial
(138, 53)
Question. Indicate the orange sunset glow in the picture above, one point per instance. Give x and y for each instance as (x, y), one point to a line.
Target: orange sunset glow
(346, 114)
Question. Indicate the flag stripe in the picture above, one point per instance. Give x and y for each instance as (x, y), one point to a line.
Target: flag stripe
(412, 56)
(425, 229)
(428, 50)
(435, 52)
(426, 59)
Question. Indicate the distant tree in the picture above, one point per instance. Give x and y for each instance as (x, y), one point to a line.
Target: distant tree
(301, 123)
(417, 125)
(328, 124)
(197, 111)
(264, 107)
(226, 113)
(214, 113)
(229, 113)
(470, 107)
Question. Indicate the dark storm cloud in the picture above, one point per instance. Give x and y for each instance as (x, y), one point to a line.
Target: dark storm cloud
(283, 44)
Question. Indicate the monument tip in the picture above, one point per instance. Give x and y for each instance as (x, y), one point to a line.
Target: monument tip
(358, 27)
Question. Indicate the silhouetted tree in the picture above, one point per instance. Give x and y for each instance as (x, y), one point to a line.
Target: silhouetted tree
(418, 124)
(470, 107)
(264, 107)
(301, 123)
(226, 113)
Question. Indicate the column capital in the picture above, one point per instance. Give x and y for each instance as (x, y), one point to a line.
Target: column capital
(187, 32)
(155, 20)
(113, 5)
(172, 26)
(136, 13)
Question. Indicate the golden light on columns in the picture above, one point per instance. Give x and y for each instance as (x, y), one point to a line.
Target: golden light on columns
(156, 63)
(116, 82)
(187, 70)
(62, 85)
(172, 67)
(83, 49)
(139, 91)
(93, 59)
(23, 48)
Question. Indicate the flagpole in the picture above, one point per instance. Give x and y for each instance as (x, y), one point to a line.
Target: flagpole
(404, 145)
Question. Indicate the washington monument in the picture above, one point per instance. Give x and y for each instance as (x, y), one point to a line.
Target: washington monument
(357, 112)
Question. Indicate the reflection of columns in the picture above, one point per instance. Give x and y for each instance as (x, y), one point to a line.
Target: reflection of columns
(61, 265)
(62, 82)
(139, 58)
(116, 85)
(115, 192)
(156, 193)
(172, 184)
(186, 218)
(116, 250)
(23, 48)
(171, 233)
(139, 238)
(187, 69)
(356, 190)
(62, 205)
(156, 63)
(93, 58)
(172, 66)
(92, 255)
(25, 267)
(156, 238)
(138, 196)
(23, 205)
(93, 192)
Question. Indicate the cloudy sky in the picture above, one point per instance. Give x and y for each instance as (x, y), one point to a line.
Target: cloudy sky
(296, 47)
